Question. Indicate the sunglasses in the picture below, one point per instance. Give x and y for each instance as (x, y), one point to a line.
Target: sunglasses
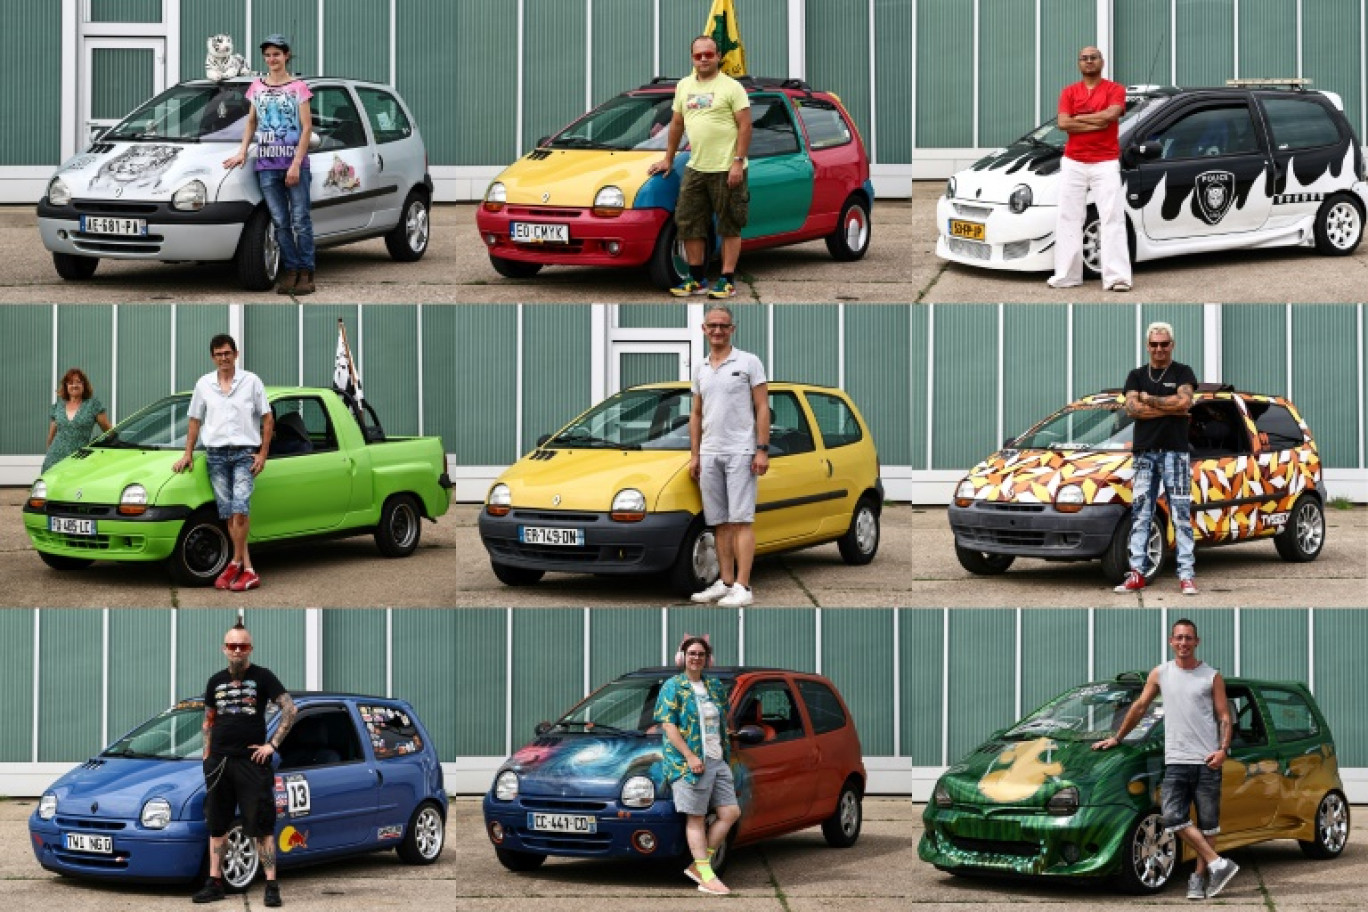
(1167, 344)
(238, 647)
(704, 55)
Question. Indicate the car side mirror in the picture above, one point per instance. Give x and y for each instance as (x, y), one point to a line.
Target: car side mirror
(749, 734)
(1008, 443)
(541, 441)
(543, 141)
(1145, 151)
(542, 728)
(315, 141)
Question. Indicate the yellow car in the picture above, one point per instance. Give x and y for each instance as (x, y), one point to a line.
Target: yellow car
(610, 493)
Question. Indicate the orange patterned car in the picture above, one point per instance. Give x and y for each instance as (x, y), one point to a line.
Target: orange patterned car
(1062, 490)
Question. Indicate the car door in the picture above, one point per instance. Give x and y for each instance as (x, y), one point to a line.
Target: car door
(838, 160)
(1310, 148)
(837, 745)
(400, 160)
(397, 747)
(782, 767)
(1307, 768)
(1284, 455)
(784, 508)
(325, 793)
(346, 183)
(847, 456)
(306, 484)
(779, 171)
(1227, 485)
(1251, 780)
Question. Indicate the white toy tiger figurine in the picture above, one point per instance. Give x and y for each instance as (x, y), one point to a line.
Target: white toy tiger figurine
(221, 63)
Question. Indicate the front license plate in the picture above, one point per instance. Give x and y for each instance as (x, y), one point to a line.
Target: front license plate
(103, 224)
(562, 823)
(538, 233)
(84, 842)
(541, 535)
(68, 526)
(974, 231)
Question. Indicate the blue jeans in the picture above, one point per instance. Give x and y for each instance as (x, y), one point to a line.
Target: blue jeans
(230, 475)
(1174, 471)
(289, 208)
(1186, 784)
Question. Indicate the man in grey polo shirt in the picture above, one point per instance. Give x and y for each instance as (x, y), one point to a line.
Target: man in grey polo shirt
(729, 432)
(229, 406)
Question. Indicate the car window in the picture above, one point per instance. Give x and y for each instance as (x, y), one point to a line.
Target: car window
(770, 705)
(302, 426)
(1249, 729)
(835, 420)
(1215, 430)
(772, 131)
(789, 430)
(1300, 123)
(392, 731)
(1290, 714)
(1278, 430)
(388, 121)
(1207, 132)
(321, 737)
(823, 707)
(336, 120)
(822, 120)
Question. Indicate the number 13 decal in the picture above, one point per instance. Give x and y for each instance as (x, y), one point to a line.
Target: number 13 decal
(297, 790)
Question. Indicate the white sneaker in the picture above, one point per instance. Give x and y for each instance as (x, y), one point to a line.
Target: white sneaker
(738, 597)
(1220, 872)
(1055, 282)
(1196, 886)
(711, 594)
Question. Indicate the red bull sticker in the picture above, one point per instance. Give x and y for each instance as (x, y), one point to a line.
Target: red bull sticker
(292, 839)
(389, 832)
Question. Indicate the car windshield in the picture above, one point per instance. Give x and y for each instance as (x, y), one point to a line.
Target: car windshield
(624, 705)
(624, 122)
(189, 113)
(1087, 428)
(176, 734)
(160, 426)
(1089, 713)
(635, 419)
(1049, 134)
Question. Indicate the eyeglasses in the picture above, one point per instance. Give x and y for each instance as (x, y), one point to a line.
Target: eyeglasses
(1167, 344)
(696, 655)
(718, 327)
(238, 647)
(704, 55)
(224, 354)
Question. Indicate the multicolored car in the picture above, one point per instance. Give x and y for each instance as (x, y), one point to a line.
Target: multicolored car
(583, 196)
(592, 784)
(1062, 490)
(1036, 799)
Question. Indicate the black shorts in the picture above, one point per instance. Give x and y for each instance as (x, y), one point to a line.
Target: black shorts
(233, 783)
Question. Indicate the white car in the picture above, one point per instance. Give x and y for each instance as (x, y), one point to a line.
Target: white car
(154, 186)
(1203, 169)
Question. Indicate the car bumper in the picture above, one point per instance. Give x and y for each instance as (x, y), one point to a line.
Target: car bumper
(634, 231)
(1020, 242)
(1085, 844)
(211, 233)
(616, 827)
(151, 538)
(1035, 530)
(648, 546)
(173, 854)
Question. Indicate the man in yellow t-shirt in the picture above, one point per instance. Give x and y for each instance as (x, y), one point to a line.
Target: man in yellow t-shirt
(714, 110)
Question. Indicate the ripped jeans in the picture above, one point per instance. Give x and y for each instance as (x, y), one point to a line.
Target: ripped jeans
(1174, 471)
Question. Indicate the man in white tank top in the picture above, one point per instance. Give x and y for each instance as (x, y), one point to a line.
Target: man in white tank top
(1197, 732)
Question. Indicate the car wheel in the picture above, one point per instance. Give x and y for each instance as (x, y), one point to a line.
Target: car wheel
(842, 828)
(696, 566)
(861, 541)
(1116, 559)
(407, 241)
(425, 836)
(1339, 226)
(258, 255)
(1332, 828)
(202, 550)
(1149, 855)
(401, 526)
(64, 563)
(519, 861)
(516, 576)
(1302, 538)
(514, 269)
(850, 240)
(241, 862)
(667, 266)
(981, 563)
(74, 267)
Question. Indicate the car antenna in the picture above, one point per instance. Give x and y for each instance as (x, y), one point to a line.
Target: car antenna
(1155, 62)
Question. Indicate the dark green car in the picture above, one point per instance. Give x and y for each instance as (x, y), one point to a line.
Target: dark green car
(1036, 799)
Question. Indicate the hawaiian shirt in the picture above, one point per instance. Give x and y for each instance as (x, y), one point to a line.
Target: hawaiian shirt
(676, 705)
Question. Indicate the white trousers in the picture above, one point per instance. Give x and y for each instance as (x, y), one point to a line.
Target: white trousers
(1103, 179)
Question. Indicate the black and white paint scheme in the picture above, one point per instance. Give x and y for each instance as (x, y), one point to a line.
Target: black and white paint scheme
(139, 167)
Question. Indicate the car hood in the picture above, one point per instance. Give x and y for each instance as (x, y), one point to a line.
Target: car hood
(116, 788)
(98, 475)
(149, 171)
(1035, 476)
(584, 479)
(993, 178)
(571, 177)
(585, 766)
(1027, 773)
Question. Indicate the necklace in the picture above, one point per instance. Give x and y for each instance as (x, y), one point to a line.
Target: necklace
(1150, 370)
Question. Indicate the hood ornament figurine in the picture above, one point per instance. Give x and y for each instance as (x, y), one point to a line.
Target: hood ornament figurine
(221, 63)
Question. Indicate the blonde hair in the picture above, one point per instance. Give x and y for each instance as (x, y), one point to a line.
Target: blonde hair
(1159, 326)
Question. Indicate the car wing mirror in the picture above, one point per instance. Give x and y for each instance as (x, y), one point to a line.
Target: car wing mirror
(1008, 443)
(542, 728)
(315, 141)
(541, 441)
(749, 734)
(1146, 151)
(543, 141)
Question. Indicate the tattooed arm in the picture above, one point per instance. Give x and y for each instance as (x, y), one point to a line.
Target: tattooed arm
(207, 728)
(261, 753)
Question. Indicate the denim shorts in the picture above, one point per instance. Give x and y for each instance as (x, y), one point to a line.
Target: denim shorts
(1186, 784)
(230, 473)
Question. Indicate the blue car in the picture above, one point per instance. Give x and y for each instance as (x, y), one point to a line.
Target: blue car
(355, 774)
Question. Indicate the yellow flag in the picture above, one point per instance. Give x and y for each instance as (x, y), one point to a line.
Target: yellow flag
(723, 28)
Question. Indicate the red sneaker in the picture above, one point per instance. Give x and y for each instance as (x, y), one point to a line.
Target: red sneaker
(1187, 587)
(247, 579)
(230, 573)
(1134, 582)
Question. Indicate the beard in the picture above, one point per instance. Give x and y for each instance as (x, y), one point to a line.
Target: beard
(237, 666)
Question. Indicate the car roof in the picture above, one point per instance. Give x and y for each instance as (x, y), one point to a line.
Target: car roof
(280, 391)
(1205, 390)
(314, 696)
(247, 80)
(788, 85)
(721, 671)
(1138, 678)
(773, 384)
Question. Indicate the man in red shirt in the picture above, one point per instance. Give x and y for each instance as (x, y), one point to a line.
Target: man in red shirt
(1089, 111)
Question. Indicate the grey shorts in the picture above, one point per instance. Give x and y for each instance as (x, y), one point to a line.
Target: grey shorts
(1188, 784)
(714, 788)
(728, 488)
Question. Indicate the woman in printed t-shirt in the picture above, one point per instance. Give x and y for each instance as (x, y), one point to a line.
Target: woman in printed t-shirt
(280, 121)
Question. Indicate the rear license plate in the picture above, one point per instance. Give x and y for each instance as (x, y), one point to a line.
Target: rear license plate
(974, 231)
(562, 823)
(538, 233)
(84, 842)
(103, 224)
(68, 526)
(540, 535)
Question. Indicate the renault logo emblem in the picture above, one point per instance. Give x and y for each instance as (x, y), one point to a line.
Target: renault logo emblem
(546, 197)
(118, 191)
(555, 501)
(94, 806)
(79, 492)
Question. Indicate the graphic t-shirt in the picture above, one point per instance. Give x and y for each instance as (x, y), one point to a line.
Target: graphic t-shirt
(709, 715)
(239, 706)
(1101, 145)
(1171, 431)
(278, 124)
(709, 111)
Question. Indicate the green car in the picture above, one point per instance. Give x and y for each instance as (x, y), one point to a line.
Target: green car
(1036, 799)
(331, 471)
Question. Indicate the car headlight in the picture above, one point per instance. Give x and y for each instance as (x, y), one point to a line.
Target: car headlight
(609, 201)
(1069, 499)
(500, 500)
(156, 814)
(1021, 198)
(629, 505)
(638, 792)
(47, 806)
(191, 196)
(506, 786)
(964, 493)
(941, 796)
(38, 494)
(133, 500)
(950, 188)
(58, 193)
(1064, 801)
(495, 197)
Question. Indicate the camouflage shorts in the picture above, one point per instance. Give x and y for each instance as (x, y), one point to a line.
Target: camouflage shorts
(703, 194)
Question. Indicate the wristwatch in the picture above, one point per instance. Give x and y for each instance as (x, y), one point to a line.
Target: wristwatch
(762, 447)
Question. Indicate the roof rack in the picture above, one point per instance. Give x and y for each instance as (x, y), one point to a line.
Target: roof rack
(751, 83)
(1296, 83)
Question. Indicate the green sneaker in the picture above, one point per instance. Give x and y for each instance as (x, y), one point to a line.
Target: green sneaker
(722, 289)
(687, 288)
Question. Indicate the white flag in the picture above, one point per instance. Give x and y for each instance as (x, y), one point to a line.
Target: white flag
(346, 379)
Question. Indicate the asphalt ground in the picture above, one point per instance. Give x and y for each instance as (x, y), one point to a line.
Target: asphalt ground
(901, 267)
(796, 873)
(916, 566)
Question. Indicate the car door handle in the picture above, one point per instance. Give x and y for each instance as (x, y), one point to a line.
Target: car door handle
(828, 467)
(379, 778)
(379, 162)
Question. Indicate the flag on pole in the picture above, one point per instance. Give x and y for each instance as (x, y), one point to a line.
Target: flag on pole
(345, 377)
(723, 28)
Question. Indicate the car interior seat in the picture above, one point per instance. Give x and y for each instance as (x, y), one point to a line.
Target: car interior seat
(291, 438)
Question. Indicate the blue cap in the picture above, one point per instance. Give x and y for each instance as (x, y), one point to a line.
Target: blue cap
(275, 40)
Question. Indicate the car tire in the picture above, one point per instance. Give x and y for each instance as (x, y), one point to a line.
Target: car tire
(518, 861)
(241, 861)
(861, 541)
(850, 240)
(1149, 856)
(665, 268)
(696, 566)
(408, 240)
(516, 576)
(514, 269)
(981, 563)
(258, 255)
(401, 526)
(842, 828)
(1339, 226)
(73, 267)
(63, 563)
(202, 550)
(1302, 538)
(1116, 559)
(1332, 828)
(425, 836)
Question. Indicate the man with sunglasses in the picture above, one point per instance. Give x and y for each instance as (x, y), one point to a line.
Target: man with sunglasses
(237, 759)
(1159, 397)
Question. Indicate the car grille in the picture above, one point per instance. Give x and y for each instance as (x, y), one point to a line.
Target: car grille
(1015, 250)
(566, 805)
(1005, 507)
(86, 860)
(99, 243)
(555, 516)
(1022, 537)
(544, 212)
(995, 847)
(105, 207)
(973, 212)
(550, 842)
(616, 554)
(81, 542)
(71, 507)
(84, 823)
(971, 249)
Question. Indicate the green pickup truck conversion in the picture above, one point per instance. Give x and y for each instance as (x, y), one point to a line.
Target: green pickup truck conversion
(329, 473)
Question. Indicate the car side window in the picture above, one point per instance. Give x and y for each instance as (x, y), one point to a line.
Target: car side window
(1300, 123)
(1248, 724)
(1207, 132)
(1278, 430)
(835, 420)
(1216, 430)
(823, 707)
(772, 131)
(1290, 714)
(789, 430)
(336, 120)
(392, 731)
(770, 705)
(388, 121)
(302, 426)
(825, 126)
(321, 737)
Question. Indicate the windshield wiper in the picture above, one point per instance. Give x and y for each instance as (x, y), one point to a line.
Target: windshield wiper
(148, 137)
(600, 727)
(132, 754)
(577, 142)
(588, 441)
